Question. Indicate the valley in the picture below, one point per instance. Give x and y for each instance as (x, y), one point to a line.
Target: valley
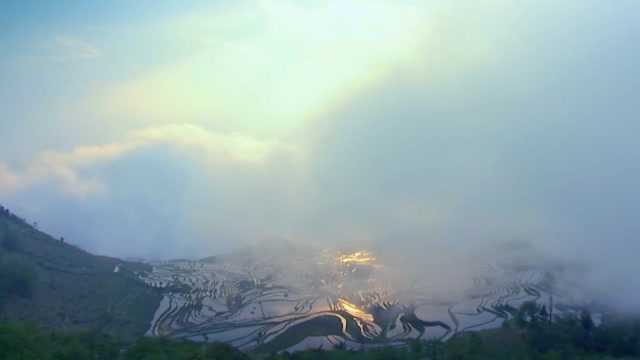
(255, 301)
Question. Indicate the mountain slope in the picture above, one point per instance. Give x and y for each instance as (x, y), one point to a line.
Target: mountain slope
(57, 285)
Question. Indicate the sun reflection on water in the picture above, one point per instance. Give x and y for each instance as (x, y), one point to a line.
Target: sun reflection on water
(357, 258)
(353, 310)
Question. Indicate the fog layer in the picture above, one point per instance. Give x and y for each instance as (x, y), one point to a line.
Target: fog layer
(492, 123)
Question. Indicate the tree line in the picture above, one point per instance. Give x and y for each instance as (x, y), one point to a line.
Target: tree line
(528, 335)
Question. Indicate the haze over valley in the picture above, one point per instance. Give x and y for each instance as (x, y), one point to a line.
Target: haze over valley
(295, 174)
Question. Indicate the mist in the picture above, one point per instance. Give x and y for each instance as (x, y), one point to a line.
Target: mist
(511, 134)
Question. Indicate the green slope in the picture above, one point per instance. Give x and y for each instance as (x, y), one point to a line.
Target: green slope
(57, 285)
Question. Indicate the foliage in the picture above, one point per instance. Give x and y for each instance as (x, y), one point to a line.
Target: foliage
(569, 337)
(28, 342)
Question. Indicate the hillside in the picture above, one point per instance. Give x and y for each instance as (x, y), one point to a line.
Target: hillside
(57, 285)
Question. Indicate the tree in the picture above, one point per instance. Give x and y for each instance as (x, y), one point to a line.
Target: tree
(475, 344)
(586, 320)
(543, 313)
(220, 351)
(416, 346)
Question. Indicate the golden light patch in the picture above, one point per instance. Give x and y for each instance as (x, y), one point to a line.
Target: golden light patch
(358, 258)
(354, 310)
(269, 67)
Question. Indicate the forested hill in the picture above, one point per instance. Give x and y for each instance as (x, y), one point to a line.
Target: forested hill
(57, 285)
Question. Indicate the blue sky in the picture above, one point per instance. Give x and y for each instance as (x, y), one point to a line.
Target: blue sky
(173, 129)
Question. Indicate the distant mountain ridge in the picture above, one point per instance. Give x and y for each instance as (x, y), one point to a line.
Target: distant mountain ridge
(60, 286)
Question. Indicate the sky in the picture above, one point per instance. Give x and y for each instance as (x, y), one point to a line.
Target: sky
(446, 129)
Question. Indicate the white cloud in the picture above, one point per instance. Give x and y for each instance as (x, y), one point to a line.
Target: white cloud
(9, 181)
(493, 120)
(65, 168)
(267, 67)
(64, 48)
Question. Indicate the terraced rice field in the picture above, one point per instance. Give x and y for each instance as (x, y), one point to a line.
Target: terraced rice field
(319, 301)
